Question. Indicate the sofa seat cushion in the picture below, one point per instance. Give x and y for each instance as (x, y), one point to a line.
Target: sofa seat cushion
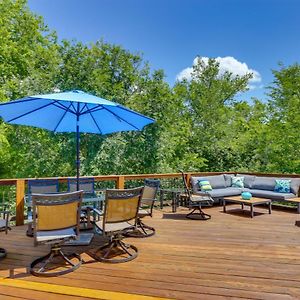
(220, 193)
(271, 194)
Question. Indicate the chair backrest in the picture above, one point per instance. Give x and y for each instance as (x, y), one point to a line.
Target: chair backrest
(186, 188)
(150, 190)
(56, 211)
(121, 205)
(42, 186)
(87, 185)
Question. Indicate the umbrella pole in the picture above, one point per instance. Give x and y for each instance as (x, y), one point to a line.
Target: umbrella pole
(77, 154)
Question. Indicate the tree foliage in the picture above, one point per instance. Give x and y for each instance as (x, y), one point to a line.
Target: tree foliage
(200, 124)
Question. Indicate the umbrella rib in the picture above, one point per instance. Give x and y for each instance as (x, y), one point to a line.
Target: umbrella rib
(120, 118)
(75, 109)
(95, 122)
(63, 107)
(30, 112)
(65, 112)
(84, 106)
(96, 108)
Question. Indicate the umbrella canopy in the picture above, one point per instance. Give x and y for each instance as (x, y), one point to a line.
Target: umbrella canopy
(62, 112)
(73, 111)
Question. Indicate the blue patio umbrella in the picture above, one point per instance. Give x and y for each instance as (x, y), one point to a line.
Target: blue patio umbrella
(73, 111)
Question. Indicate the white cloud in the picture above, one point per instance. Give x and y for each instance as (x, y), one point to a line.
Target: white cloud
(229, 64)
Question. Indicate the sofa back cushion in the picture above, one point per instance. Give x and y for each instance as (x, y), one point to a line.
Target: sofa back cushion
(228, 180)
(248, 180)
(268, 183)
(264, 183)
(294, 185)
(216, 182)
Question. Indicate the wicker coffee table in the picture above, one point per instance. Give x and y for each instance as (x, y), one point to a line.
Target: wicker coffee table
(252, 202)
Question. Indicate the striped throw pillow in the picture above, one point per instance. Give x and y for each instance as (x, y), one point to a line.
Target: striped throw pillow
(205, 186)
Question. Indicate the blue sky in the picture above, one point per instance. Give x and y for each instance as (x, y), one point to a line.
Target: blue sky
(170, 33)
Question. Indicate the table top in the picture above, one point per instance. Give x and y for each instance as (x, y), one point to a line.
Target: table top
(253, 200)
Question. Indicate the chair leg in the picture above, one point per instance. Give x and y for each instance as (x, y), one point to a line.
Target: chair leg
(46, 267)
(141, 231)
(116, 248)
(202, 215)
(2, 253)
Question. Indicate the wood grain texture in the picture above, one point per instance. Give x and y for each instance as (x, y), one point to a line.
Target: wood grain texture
(230, 256)
(20, 194)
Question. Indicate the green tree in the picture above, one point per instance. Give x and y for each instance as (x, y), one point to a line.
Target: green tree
(282, 148)
(209, 109)
(29, 59)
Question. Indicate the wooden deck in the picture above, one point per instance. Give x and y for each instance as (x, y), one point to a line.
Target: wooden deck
(230, 256)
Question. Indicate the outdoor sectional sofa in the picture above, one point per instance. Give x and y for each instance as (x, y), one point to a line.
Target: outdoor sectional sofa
(258, 186)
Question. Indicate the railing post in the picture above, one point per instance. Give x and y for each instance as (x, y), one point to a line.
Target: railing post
(188, 178)
(20, 193)
(121, 182)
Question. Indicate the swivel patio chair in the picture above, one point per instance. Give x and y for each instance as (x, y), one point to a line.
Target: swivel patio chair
(195, 202)
(146, 208)
(57, 223)
(87, 185)
(4, 226)
(38, 186)
(121, 207)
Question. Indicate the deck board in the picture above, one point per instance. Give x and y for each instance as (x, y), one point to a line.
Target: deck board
(230, 256)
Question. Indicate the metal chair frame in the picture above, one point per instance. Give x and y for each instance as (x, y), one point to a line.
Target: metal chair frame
(147, 204)
(5, 213)
(38, 186)
(56, 244)
(115, 243)
(87, 185)
(197, 213)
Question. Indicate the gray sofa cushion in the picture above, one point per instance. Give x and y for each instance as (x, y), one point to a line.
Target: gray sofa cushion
(220, 193)
(271, 194)
(268, 183)
(216, 182)
(248, 180)
(264, 183)
(227, 178)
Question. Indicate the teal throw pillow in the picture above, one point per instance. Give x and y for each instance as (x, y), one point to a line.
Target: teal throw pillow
(205, 186)
(237, 182)
(282, 186)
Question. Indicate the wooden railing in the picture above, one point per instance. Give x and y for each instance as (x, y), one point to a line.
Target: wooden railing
(119, 180)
